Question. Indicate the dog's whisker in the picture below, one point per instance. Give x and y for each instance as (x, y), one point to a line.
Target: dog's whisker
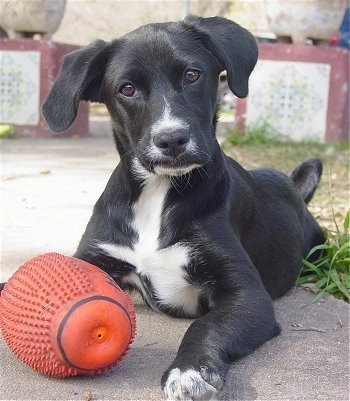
(175, 185)
(188, 179)
(201, 170)
(205, 153)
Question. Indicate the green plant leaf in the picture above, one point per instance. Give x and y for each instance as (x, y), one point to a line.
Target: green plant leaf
(340, 254)
(330, 273)
(340, 285)
(317, 248)
(320, 283)
(347, 221)
(313, 267)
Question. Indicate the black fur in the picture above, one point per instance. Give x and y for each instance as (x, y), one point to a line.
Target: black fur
(249, 229)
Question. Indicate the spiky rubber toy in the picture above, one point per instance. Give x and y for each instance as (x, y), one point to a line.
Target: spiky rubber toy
(65, 317)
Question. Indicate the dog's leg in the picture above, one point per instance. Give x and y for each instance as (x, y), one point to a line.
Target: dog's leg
(236, 325)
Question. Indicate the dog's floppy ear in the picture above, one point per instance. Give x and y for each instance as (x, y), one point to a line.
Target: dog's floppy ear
(80, 78)
(234, 47)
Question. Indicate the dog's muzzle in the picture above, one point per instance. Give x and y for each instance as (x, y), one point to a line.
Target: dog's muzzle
(172, 153)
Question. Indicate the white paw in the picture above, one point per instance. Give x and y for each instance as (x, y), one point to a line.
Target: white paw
(192, 385)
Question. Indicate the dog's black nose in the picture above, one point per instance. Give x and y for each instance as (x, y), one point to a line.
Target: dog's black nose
(172, 143)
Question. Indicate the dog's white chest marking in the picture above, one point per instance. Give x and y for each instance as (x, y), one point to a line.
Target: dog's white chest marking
(163, 267)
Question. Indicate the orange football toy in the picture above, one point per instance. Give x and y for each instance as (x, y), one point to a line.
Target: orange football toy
(65, 317)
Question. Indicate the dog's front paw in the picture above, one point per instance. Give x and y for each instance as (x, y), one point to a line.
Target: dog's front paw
(191, 385)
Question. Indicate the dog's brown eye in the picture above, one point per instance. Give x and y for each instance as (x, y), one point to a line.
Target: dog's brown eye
(128, 90)
(191, 75)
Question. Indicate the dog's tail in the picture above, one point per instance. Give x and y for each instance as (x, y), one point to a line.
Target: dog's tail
(306, 177)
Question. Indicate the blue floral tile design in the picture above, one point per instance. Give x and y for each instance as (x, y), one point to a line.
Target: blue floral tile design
(292, 97)
(19, 87)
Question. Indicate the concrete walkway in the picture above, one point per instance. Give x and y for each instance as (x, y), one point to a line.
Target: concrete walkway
(48, 190)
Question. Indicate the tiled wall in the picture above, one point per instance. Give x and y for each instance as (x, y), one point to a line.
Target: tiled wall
(19, 87)
(300, 91)
(292, 97)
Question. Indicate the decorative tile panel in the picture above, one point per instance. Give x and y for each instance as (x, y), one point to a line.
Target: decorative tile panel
(290, 96)
(20, 87)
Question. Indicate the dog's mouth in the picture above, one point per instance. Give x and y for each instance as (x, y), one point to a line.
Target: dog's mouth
(175, 166)
(170, 168)
(162, 162)
(173, 171)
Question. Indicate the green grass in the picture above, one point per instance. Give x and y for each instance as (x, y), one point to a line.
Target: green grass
(330, 273)
(257, 134)
(264, 134)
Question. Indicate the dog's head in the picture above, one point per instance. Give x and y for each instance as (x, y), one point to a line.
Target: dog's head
(159, 84)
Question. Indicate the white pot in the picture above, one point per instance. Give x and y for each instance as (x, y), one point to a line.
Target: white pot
(303, 19)
(25, 17)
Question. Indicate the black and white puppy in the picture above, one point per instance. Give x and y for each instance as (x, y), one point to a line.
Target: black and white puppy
(186, 226)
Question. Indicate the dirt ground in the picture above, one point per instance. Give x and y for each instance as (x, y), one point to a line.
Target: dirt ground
(331, 201)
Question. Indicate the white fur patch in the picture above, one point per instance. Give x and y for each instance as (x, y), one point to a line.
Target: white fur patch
(167, 122)
(163, 267)
(188, 385)
(174, 172)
